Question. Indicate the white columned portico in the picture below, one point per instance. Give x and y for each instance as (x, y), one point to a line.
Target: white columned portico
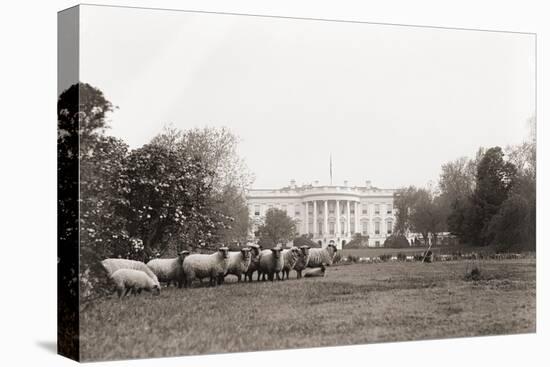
(325, 212)
(315, 218)
(307, 218)
(338, 230)
(348, 229)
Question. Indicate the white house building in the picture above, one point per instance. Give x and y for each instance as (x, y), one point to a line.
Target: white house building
(330, 212)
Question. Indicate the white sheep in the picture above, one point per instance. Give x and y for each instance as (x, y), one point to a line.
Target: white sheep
(255, 251)
(409, 258)
(169, 270)
(290, 258)
(130, 280)
(302, 262)
(271, 263)
(200, 266)
(319, 256)
(318, 272)
(239, 261)
(111, 265)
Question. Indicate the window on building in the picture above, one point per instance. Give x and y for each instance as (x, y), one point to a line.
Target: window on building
(352, 227)
(389, 209)
(256, 210)
(342, 227)
(331, 208)
(342, 209)
(320, 227)
(377, 244)
(365, 208)
(352, 209)
(376, 227)
(297, 213)
(331, 227)
(310, 209)
(389, 227)
(377, 209)
(365, 228)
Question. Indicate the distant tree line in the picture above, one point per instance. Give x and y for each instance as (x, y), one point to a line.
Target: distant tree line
(487, 200)
(182, 189)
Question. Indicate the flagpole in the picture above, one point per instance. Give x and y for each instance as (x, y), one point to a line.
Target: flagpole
(330, 169)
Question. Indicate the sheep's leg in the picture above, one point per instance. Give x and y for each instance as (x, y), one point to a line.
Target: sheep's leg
(119, 292)
(278, 275)
(127, 290)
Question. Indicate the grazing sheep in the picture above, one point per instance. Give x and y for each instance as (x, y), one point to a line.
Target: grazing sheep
(239, 261)
(271, 263)
(290, 258)
(255, 251)
(111, 265)
(318, 272)
(200, 266)
(130, 280)
(318, 256)
(169, 270)
(302, 262)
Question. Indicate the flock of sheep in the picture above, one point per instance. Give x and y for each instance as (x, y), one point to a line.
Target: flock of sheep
(131, 276)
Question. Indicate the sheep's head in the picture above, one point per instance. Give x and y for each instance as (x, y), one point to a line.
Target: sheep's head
(182, 255)
(295, 252)
(246, 253)
(156, 289)
(332, 248)
(224, 251)
(254, 250)
(276, 252)
(305, 250)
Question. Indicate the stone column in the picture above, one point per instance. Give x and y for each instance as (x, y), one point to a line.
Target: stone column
(337, 218)
(315, 218)
(357, 229)
(348, 218)
(307, 218)
(326, 218)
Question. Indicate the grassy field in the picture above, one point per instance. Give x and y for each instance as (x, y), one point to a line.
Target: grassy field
(352, 304)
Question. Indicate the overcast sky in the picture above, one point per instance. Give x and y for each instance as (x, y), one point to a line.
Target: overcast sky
(391, 103)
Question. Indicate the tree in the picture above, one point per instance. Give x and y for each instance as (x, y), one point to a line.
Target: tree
(167, 199)
(514, 225)
(457, 184)
(419, 210)
(90, 165)
(494, 180)
(229, 179)
(277, 228)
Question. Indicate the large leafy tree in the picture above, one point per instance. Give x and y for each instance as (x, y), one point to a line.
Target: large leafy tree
(229, 178)
(419, 210)
(167, 199)
(457, 183)
(277, 228)
(82, 112)
(495, 178)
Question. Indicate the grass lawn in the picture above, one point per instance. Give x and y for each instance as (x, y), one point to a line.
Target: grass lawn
(352, 304)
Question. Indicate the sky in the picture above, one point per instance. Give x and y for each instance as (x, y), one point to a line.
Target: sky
(391, 104)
